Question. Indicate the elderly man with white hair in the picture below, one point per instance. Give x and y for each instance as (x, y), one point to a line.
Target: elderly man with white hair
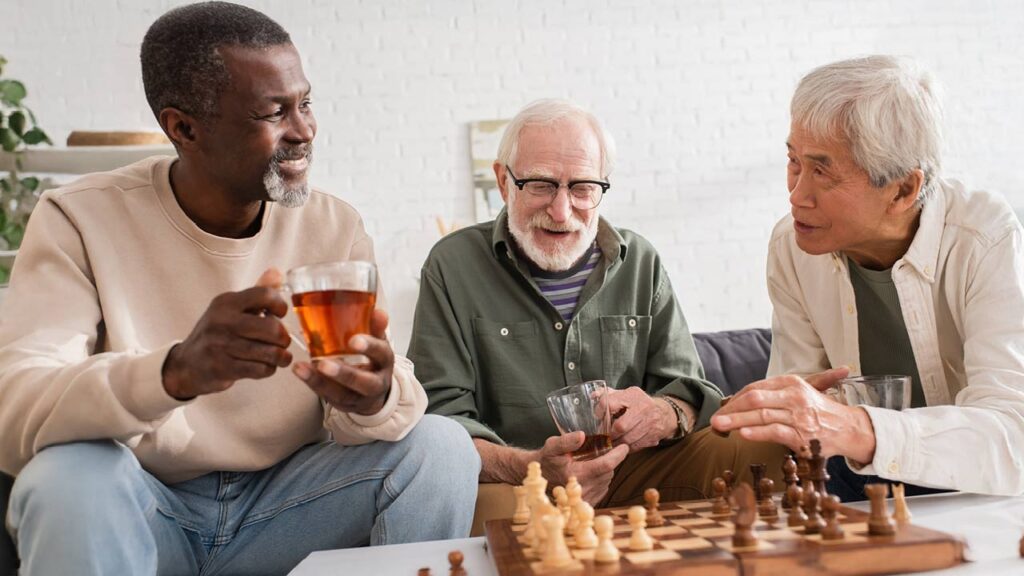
(883, 267)
(550, 294)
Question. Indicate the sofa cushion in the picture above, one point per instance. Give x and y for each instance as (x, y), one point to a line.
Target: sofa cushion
(734, 358)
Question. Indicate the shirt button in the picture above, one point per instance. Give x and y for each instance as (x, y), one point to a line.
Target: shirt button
(632, 322)
(558, 325)
(894, 467)
(572, 365)
(504, 331)
(850, 309)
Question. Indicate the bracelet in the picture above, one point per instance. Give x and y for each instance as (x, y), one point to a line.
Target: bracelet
(682, 422)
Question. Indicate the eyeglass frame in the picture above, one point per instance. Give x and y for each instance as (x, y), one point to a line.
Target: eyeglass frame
(522, 182)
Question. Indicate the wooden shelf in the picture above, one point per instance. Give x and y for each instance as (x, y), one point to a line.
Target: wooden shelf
(82, 159)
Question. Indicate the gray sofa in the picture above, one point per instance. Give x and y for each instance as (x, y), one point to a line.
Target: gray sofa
(731, 359)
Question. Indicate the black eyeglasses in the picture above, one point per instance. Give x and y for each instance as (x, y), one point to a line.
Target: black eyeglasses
(583, 194)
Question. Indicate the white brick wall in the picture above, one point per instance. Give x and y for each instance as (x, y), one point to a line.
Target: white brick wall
(696, 93)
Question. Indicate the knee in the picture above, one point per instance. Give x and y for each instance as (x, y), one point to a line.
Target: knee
(444, 444)
(74, 474)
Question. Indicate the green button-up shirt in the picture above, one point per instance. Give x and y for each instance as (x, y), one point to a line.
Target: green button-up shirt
(488, 346)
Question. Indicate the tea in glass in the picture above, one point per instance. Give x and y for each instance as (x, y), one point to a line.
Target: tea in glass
(334, 302)
(583, 407)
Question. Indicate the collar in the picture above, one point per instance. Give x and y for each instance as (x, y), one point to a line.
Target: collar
(612, 244)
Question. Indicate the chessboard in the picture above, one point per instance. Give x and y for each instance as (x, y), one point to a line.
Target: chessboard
(693, 540)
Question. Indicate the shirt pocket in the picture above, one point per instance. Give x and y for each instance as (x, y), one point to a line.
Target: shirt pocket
(624, 343)
(510, 360)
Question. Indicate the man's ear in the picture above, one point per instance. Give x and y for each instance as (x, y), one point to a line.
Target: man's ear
(908, 191)
(500, 175)
(183, 129)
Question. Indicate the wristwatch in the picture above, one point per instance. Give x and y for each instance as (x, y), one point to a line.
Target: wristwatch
(682, 422)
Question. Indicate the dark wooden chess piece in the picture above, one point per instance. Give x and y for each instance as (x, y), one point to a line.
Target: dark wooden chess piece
(879, 523)
(814, 523)
(766, 508)
(455, 559)
(654, 517)
(757, 472)
(720, 506)
(818, 474)
(1021, 547)
(803, 466)
(795, 495)
(790, 477)
(728, 476)
(423, 571)
(743, 498)
(830, 510)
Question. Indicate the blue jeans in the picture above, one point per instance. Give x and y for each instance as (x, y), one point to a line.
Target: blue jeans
(849, 486)
(90, 508)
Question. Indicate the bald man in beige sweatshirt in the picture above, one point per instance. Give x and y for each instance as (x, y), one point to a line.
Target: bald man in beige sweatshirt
(144, 407)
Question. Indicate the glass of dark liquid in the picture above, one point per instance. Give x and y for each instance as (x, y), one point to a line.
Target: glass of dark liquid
(334, 301)
(583, 407)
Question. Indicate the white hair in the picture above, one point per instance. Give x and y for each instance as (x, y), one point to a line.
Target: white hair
(885, 107)
(548, 111)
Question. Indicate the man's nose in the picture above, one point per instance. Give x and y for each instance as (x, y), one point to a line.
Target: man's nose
(560, 208)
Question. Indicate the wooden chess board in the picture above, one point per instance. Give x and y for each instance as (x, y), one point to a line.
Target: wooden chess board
(693, 541)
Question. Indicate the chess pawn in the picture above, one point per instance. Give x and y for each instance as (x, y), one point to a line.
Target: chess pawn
(720, 506)
(654, 518)
(795, 495)
(879, 523)
(830, 510)
(575, 492)
(606, 551)
(814, 523)
(562, 501)
(746, 514)
(522, 513)
(789, 475)
(757, 472)
(639, 539)
(556, 551)
(584, 535)
(455, 559)
(901, 514)
(728, 476)
(766, 508)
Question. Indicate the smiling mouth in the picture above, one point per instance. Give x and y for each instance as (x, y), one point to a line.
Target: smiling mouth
(803, 228)
(294, 166)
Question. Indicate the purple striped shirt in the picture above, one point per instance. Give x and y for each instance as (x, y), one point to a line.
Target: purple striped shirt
(563, 289)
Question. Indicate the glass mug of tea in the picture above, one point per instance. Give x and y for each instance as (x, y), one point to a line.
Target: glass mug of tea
(334, 301)
(584, 407)
(884, 391)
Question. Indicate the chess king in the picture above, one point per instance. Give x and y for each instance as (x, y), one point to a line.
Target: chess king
(551, 294)
(885, 267)
(145, 410)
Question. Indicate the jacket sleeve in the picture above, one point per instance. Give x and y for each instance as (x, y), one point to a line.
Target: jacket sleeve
(796, 346)
(673, 367)
(442, 358)
(406, 401)
(973, 445)
(54, 386)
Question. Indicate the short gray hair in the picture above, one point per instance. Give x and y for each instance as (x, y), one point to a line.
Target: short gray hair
(885, 107)
(548, 111)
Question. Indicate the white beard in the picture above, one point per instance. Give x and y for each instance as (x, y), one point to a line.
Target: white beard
(285, 195)
(560, 258)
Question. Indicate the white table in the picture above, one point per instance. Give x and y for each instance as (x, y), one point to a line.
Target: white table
(991, 525)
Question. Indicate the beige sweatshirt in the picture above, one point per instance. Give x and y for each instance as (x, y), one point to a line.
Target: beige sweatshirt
(111, 274)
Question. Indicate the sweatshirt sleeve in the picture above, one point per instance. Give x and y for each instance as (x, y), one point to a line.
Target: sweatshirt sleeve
(54, 385)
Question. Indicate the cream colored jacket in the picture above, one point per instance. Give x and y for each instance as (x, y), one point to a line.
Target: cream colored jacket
(112, 274)
(961, 289)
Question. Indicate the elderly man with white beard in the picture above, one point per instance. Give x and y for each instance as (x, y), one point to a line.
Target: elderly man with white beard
(550, 294)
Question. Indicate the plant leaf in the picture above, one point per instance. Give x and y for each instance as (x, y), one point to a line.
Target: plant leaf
(13, 92)
(3, 62)
(35, 136)
(30, 183)
(17, 122)
(8, 139)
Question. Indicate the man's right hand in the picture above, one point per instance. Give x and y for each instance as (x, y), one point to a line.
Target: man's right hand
(239, 336)
(594, 475)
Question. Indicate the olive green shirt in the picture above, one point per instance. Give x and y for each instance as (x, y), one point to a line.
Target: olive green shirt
(881, 332)
(488, 347)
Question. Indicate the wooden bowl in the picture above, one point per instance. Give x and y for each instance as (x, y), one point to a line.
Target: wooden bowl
(88, 138)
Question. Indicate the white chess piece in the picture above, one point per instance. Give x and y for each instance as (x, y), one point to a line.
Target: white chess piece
(575, 493)
(606, 551)
(522, 513)
(562, 501)
(556, 551)
(584, 535)
(639, 539)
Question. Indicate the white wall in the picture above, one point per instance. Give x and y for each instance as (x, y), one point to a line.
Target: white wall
(696, 93)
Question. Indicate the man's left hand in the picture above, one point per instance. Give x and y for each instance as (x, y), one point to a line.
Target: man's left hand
(790, 410)
(362, 390)
(640, 421)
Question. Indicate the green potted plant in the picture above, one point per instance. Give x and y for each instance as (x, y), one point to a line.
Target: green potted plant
(18, 194)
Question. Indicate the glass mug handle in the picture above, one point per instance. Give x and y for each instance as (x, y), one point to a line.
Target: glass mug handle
(286, 293)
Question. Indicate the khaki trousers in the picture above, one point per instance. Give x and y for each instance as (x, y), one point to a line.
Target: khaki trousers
(680, 471)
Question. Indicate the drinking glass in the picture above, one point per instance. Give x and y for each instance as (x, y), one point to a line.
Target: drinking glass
(884, 391)
(583, 407)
